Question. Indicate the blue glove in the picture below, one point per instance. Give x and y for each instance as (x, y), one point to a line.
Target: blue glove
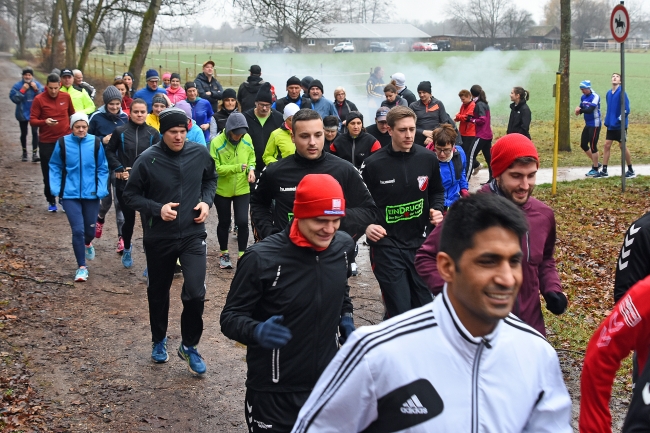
(272, 335)
(346, 328)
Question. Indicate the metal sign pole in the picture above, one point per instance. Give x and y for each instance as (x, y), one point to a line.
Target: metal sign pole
(623, 118)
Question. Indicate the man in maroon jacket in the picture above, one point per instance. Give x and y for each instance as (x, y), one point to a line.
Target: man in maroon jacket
(51, 111)
(514, 168)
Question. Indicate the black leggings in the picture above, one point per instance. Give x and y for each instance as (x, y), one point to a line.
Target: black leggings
(480, 145)
(129, 219)
(240, 205)
(23, 135)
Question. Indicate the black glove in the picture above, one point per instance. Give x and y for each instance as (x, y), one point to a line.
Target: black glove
(556, 302)
(346, 328)
(272, 335)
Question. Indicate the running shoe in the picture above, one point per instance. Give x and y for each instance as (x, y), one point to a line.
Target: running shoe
(477, 169)
(178, 269)
(24, 158)
(99, 229)
(35, 157)
(224, 261)
(127, 260)
(592, 173)
(52, 207)
(630, 174)
(194, 361)
(120, 245)
(354, 269)
(601, 174)
(90, 252)
(81, 275)
(159, 351)
(235, 232)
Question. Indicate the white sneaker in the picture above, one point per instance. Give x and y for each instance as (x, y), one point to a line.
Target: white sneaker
(477, 169)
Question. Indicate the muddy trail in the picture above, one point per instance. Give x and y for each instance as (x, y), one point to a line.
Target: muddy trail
(76, 356)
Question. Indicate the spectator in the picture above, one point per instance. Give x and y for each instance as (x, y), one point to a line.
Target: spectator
(304, 85)
(392, 98)
(167, 78)
(520, 116)
(80, 98)
(227, 106)
(380, 129)
(399, 81)
(430, 114)
(175, 92)
(319, 103)
(151, 89)
(343, 106)
(79, 83)
(51, 111)
(201, 108)
(374, 86)
(248, 90)
(590, 107)
(280, 144)
(331, 127)
(22, 94)
(208, 86)
(293, 96)
(262, 121)
(467, 129)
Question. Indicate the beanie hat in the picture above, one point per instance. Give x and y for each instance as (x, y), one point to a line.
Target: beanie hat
(28, 70)
(152, 74)
(353, 115)
(289, 110)
(111, 93)
(229, 93)
(306, 81)
(237, 124)
(331, 123)
(255, 70)
(159, 99)
(190, 85)
(172, 118)
(400, 79)
(185, 106)
(167, 75)
(424, 86)
(293, 81)
(128, 74)
(316, 83)
(175, 75)
(586, 84)
(79, 115)
(264, 94)
(507, 149)
(318, 195)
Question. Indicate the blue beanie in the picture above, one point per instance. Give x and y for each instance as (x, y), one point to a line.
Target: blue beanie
(586, 84)
(152, 73)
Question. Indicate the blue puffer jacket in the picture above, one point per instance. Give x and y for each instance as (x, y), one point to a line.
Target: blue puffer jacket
(449, 175)
(82, 179)
(23, 101)
(201, 113)
(103, 123)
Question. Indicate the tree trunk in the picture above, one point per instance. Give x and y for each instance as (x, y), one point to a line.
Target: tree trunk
(22, 24)
(70, 29)
(139, 56)
(54, 38)
(93, 27)
(565, 57)
(125, 32)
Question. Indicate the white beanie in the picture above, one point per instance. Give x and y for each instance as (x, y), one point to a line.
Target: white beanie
(79, 115)
(400, 79)
(289, 110)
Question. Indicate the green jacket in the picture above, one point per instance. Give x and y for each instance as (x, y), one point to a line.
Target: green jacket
(228, 160)
(80, 100)
(279, 144)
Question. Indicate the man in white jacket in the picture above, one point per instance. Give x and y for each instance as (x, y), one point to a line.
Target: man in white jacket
(462, 363)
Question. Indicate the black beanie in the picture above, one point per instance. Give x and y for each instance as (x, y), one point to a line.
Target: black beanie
(424, 86)
(189, 85)
(229, 93)
(171, 118)
(353, 115)
(316, 83)
(176, 75)
(293, 81)
(305, 81)
(264, 94)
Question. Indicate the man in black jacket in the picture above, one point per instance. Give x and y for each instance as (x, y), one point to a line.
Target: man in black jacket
(430, 114)
(262, 121)
(272, 200)
(249, 88)
(293, 96)
(288, 297)
(208, 86)
(404, 180)
(173, 183)
(380, 128)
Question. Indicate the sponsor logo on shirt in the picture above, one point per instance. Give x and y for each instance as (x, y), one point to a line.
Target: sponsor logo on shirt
(423, 182)
(386, 182)
(288, 189)
(404, 212)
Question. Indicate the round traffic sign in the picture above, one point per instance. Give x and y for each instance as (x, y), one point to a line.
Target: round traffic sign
(619, 23)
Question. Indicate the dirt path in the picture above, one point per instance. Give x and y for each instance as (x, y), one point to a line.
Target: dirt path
(85, 348)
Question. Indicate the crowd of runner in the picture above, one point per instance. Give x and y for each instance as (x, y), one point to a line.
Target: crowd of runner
(462, 345)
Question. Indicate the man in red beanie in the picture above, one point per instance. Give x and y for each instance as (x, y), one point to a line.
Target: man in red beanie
(289, 295)
(514, 168)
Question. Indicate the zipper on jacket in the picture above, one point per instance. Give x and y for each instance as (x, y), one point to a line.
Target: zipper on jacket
(80, 170)
(180, 173)
(318, 302)
(275, 366)
(406, 177)
(475, 373)
(354, 145)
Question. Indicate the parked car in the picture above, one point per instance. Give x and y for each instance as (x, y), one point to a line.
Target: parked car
(418, 46)
(431, 46)
(379, 47)
(344, 47)
(444, 45)
(246, 49)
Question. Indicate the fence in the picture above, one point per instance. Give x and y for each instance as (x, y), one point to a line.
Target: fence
(614, 46)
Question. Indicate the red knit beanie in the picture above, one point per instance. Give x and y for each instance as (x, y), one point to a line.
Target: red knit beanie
(318, 195)
(507, 149)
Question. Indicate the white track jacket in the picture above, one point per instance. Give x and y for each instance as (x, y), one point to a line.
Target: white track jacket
(422, 371)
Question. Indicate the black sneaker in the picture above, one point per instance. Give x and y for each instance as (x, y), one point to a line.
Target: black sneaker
(35, 157)
(24, 158)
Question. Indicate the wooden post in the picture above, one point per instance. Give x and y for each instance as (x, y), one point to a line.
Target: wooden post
(195, 65)
(102, 68)
(179, 62)
(231, 71)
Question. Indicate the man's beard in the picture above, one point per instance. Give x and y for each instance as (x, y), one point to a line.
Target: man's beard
(510, 194)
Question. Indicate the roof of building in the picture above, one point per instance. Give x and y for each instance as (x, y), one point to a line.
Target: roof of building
(541, 31)
(371, 31)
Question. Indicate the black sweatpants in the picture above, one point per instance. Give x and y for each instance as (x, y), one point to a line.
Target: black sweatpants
(240, 206)
(468, 143)
(401, 287)
(272, 411)
(484, 146)
(46, 150)
(23, 135)
(129, 218)
(161, 260)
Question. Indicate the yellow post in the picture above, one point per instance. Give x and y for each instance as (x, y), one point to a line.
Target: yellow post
(556, 130)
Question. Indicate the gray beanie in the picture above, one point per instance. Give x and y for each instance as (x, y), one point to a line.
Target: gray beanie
(111, 93)
(171, 118)
(237, 124)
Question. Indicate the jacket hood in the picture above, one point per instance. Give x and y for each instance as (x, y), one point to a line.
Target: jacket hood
(235, 121)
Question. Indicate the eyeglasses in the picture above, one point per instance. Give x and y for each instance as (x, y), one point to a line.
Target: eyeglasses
(339, 94)
(444, 151)
(382, 122)
(263, 106)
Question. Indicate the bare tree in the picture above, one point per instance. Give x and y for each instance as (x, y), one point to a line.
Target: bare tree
(565, 61)
(21, 13)
(481, 18)
(590, 18)
(516, 23)
(144, 41)
(365, 11)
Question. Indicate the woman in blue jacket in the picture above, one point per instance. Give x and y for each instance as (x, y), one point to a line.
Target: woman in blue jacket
(79, 177)
(22, 94)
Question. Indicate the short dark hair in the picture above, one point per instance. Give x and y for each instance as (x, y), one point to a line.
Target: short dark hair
(464, 93)
(474, 214)
(330, 121)
(53, 78)
(398, 113)
(390, 88)
(138, 101)
(119, 81)
(524, 160)
(304, 115)
(443, 135)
